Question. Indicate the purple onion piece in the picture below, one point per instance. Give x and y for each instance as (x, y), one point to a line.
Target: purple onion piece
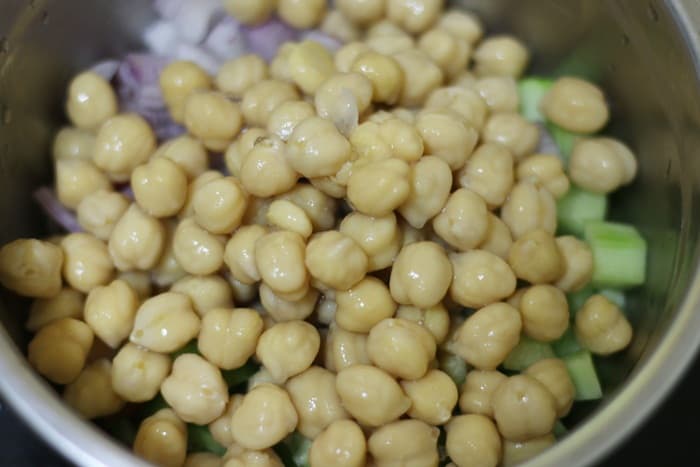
(141, 69)
(60, 214)
(106, 68)
(265, 39)
(195, 19)
(329, 42)
(226, 40)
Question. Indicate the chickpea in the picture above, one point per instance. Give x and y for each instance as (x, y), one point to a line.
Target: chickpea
(401, 347)
(446, 135)
(262, 376)
(477, 391)
(329, 186)
(383, 72)
(501, 56)
(237, 150)
(288, 348)
(162, 439)
(499, 92)
(576, 105)
(473, 440)
(601, 326)
(99, 211)
(523, 408)
(517, 452)
(219, 205)
(220, 428)
(188, 153)
(403, 139)
(545, 169)
(76, 179)
(347, 54)
(239, 254)
(202, 459)
(204, 178)
(73, 143)
(139, 281)
(286, 215)
(165, 323)
(137, 373)
(310, 64)
(341, 444)
(480, 278)
(516, 299)
(337, 25)
(460, 100)
(91, 394)
(390, 181)
(512, 131)
(421, 275)
(602, 165)
(328, 249)
(239, 456)
(432, 397)
(168, 270)
(435, 320)
(463, 221)
(409, 443)
(345, 349)
(198, 251)
(462, 24)
(123, 142)
(552, 373)
(421, 77)
(250, 11)
(264, 170)
(213, 118)
(578, 264)
(371, 395)
(177, 81)
(288, 310)
(160, 187)
(264, 418)
(286, 116)
(205, 292)
(498, 239)
(414, 17)
(331, 99)
(261, 99)
(91, 100)
(110, 311)
(137, 240)
(279, 257)
(31, 267)
(545, 313)
(529, 207)
(317, 149)
(228, 336)
(488, 173)
(450, 52)
(379, 237)
(390, 44)
(68, 303)
(243, 294)
(301, 14)
(431, 181)
(86, 261)
(535, 257)
(59, 350)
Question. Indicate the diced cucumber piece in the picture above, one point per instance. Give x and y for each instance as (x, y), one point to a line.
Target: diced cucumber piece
(619, 254)
(294, 450)
(567, 344)
(615, 296)
(578, 207)
(240, 375)
(564, 139)
(583, 375)
(559, 430)
(454, 366)
(531, 91)
(578, 298)
(527, 352)
(199, 439)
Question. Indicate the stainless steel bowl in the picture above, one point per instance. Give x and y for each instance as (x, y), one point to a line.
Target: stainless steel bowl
(644, 52)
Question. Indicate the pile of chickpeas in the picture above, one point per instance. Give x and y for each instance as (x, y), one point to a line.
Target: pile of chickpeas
(384, 209)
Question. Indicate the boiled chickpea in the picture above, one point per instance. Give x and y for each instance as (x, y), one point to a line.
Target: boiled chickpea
(462, 24)
(279, 257)
(477, 391)
(384, 73)
(545, 169)
(204, 178)
(463, 221)
(239, 254)
(110, 311)
(73, 143)
(31, 267)
(328, 249)
(288, 310)
(347, 54)
(264, 418)
(499, 92)
(461, 100)
(286, 215)
(435, 320)
(431, 181)
(165, 323)
(91, 100)
(86, 262)
(480, 278)
(301, 14)
(473, 440)
(489, 173)
(535, 257)
(265, 171)
(202, 459)
(123, 142)
(288, 348)
(340, 90)
(529, 207)
(498, 239)
(401, 348)
(421, 77)
(237, 456)
(76, 179)
(512, 131)
(345, 349)
(219, 205)
(421, 275)
(220, 428)
(409, 443)
(601, 326)
(59, 350)
(371, 395)
(576, 105)
(552, 373)
(243, 294)
(602, 165)
(317, 149)
(99, 212)
(262, 98)
(137, 373)
(517, 452)
(213, 118)
(286, 116)
(177, 81)
(403, 139)
(432, 397)
(578, 263)
(523, 408)
(233, 157)
(414, 17)
(450, 52)
(205, 292)
(68, 303)
(310, 64)
(447, 136)
(250, 11)
(390, 180)
(91, 394)
(228, 337)
(262, 376)
(337, 25)
(162, 439)
(188, 153)
(198, 251)
(341, 444)
(379, 237)
(167, 271)
(501, 56)
(160, 187)
(390, 44)
(545, 313)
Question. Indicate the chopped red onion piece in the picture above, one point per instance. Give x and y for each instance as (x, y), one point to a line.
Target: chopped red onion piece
(226, 39)
(329, 42)
(107, 68)
(265, 39)
(169, 9)
(195, 19)
(161, 37)
(63, 216)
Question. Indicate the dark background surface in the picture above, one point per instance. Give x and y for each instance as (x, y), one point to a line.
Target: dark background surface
(669, 437)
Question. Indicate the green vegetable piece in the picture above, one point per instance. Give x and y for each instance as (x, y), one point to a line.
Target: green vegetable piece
(199, 439)
(559, 430)
(578, 207)
(298, 447)
(240, 375)
(454, 366)
(619, 254)
(527, 352)
(583, 375)
(531, 91)
(564, 139)
(566, 344)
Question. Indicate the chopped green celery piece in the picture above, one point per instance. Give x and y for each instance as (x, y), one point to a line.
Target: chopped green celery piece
(531, 90)
(190, 347)
(240, 375)
(583, 375)
(527, 352)
(199, 439)
(567, 344)
(559, 430)
(578, 298)
(454, 366)
(619, 254)
(577, 207)
(615, 296)
(564, 139)
(298, 449)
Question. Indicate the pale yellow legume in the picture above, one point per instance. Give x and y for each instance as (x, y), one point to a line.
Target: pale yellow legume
(31, 267)
(137, 373)
(433, 397)
(477, 391)
(480, 278)
(165, 322)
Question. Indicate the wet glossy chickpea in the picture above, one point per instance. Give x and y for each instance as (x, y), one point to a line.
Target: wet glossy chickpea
(401, 348)
(576, 105)
(310, 64)
(288, 348)
(288, 310)
(137, 240)
(371, 395)
(162, 439)
(99, 212)
(363, 305)
(237, 456)
(110, 310)
(160, 187)
(228, 337)
(204, 178)
(433, 397)
(578, 263)
(137, 373)
(602, 165)
(301, 14)
(202, 459)
(348, 53)
(68, 303)
(463, 24)
(59, 350)
(220, 428)
(409, 443)
(286, 215)
(414, 17)
(76, 179)
(167, 271)
(31, 267)
(123, 142)
(390, 44)
(379, 237)
(512, 131)
(501, 56)
(464, 101)
(436, 319)
(285, 118)
(447, 136)
(73, 143)
(463, 221)
(421, 275)
(265, 171)
(91, 100)
(498, 238)
(264, 418)
(489, 173)
(337, 25)
(339, 90)
(517, 452)
(431, 181)
(219, 205)
(250, 11)
(499, 92)
(235, 153)
(535, 257)
(450, 52)
(523, 408)
(547, 170)
(344, 349)
(86, 261)
(213, 118)
(480, 278)
(279, 258)
(177, 81)
(421, 77)
(198, 251)
(317, 149)
(341, 444)
(473, 441)
(165, 323)
(552, 373)
(477, 391)
(326, 250)
(205, 292)
(383, 72)
(239, 254)
(261, 99)
(390, 179)
(545, 312)
(92, 394)
(601, 327)
(188, 153)
(529, 207)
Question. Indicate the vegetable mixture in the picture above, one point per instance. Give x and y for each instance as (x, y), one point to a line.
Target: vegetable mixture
(329, 237)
